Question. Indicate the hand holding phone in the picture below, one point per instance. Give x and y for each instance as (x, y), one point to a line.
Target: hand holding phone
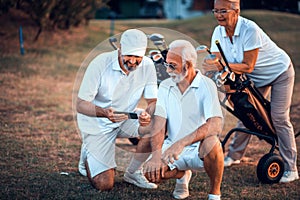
(131, 115)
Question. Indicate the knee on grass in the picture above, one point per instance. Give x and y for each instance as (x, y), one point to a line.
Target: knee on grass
(103, 186)
(103, 183)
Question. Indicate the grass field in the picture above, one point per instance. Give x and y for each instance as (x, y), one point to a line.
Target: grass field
(39, 137)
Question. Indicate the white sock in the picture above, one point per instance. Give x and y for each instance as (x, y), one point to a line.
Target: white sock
(183, 180)
(134, 166)
(214, 197)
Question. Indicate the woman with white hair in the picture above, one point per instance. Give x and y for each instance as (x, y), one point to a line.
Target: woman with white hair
(249, 50)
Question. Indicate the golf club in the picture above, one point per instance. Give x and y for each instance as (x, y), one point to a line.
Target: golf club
(202, 48)
(112, 41)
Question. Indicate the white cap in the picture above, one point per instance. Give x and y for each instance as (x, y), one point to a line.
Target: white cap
(133, 42)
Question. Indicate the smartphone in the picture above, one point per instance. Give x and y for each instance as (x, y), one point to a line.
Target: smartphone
(131, 115)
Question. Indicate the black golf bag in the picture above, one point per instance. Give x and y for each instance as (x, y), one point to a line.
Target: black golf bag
(244, 101)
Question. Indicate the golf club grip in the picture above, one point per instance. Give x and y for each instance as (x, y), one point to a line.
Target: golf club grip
(222, 53)
(112, 43)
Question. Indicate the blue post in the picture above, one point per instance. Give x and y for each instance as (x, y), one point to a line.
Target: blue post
(22, 51)
(112, 16)
(112, 27)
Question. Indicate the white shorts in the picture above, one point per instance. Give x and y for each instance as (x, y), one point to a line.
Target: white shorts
(100, 149)
(188, 159)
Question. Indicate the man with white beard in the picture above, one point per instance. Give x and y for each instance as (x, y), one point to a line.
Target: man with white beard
(188, 106)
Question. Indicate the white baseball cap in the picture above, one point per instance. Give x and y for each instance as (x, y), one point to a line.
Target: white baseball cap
(133, 42)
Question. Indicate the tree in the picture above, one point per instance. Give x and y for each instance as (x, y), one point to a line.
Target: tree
(5, 5)
(55, 14)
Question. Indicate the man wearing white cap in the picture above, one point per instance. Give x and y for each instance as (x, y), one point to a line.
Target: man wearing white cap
(115, 81)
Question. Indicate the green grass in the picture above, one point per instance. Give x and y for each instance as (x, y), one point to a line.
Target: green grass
(39, 137)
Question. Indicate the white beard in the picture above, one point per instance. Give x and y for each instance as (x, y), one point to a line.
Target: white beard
(177, 78)
(130, 69)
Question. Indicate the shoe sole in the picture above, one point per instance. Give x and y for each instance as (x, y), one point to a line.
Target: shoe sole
(288, 181)
(177, 197)
(129, 180)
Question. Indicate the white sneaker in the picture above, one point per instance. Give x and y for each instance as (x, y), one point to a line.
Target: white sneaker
(138, 179)
(229, 161)
(289, 176)
(181, 191)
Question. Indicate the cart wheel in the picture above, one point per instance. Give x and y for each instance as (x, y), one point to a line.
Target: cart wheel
(270, 168)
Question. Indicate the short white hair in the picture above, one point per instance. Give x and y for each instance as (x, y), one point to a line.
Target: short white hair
(187, 50)
(235, 4)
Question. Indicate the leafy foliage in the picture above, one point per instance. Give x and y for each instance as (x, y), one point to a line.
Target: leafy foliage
(53, 14)
(5, 5)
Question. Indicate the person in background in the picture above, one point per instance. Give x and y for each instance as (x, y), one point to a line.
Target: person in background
(249, 50)
(115, 81)
(188, 108)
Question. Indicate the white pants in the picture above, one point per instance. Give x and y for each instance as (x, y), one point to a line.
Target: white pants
(188, 159)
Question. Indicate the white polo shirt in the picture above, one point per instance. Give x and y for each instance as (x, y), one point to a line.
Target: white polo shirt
(106, 85)
(187, 112)
(271, 62)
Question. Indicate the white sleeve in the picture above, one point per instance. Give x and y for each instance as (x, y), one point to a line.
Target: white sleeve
(215, 36)
(150, 91)
(91, 80)
(160, 109)
(252, 39)
(211, 104)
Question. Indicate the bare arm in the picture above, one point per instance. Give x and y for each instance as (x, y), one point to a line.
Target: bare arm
(145, 117)
(89, 109)
(247, 65)
(158, 133)
(150, 106)
(213, 126)
(154, 168)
